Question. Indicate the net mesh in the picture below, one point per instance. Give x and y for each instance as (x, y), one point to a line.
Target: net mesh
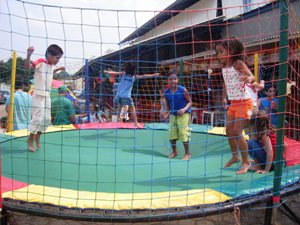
(97, 156)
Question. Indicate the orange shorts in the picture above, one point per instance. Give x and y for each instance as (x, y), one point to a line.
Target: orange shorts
(241, 108)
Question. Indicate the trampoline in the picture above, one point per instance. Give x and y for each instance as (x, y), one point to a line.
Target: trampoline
(113, 172)
(126, 175)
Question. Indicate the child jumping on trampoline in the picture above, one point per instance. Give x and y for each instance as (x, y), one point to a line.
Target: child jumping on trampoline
(41, 101)
(236, 75)
(123, 96)
(179, 105)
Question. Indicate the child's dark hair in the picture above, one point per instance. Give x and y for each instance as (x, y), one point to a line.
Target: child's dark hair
(235, 48)
(172, 72)
(129, 68)
(18, 84)
(54, 50)
(261, 124)
(25, 86)
(95, 106)
(270, 86)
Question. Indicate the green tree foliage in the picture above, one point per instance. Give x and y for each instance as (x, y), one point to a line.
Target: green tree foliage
(21, 74)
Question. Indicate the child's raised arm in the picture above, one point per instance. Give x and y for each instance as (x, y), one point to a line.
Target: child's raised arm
(62, 68)
(110, 72)
(146, 76)
(259, 86)
(28, 64)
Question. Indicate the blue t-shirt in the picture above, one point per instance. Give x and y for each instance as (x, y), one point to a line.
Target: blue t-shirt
(266, 106)
(22, 109)
(176, 100)
(125, 86)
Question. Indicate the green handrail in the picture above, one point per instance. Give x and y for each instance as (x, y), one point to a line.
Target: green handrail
(181, 72)
(283, 69)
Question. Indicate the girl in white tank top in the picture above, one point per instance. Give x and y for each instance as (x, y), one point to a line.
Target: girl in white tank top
(236, 75)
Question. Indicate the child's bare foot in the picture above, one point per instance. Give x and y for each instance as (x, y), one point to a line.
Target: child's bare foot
(244, 168)
(38, 143)
(254, 166)
(232, 161)
(187, 156)
(30, 145)
(37, 139)
(172, 155)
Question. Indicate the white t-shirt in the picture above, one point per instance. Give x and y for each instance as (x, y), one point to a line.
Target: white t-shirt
(43, 77)
(93, 118)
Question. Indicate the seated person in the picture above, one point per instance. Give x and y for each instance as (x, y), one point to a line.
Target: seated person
(262, 146)
(62, 109)
(103, 115)
(94, 115)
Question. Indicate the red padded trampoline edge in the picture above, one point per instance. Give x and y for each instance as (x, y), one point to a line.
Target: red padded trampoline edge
(108, 125)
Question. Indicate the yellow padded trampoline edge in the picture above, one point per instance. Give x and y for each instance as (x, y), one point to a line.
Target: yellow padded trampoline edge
(115, 201)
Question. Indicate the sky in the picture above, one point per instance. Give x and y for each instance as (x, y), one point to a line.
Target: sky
(85, 29)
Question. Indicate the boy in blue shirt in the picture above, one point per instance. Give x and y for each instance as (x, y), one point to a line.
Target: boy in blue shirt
(179, 105)
(123, 96)
(269, 104)
(22, 107)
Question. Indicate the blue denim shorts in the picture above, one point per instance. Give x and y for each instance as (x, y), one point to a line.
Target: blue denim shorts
(256, 151)
(123, 101)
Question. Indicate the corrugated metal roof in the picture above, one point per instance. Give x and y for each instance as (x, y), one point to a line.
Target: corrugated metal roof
(269, 8)
(179, 5)
(166, 14)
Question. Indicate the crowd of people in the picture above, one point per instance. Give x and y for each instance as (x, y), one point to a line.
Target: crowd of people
(240, 98)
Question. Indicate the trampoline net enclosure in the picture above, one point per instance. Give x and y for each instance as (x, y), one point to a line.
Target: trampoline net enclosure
(116, 172)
